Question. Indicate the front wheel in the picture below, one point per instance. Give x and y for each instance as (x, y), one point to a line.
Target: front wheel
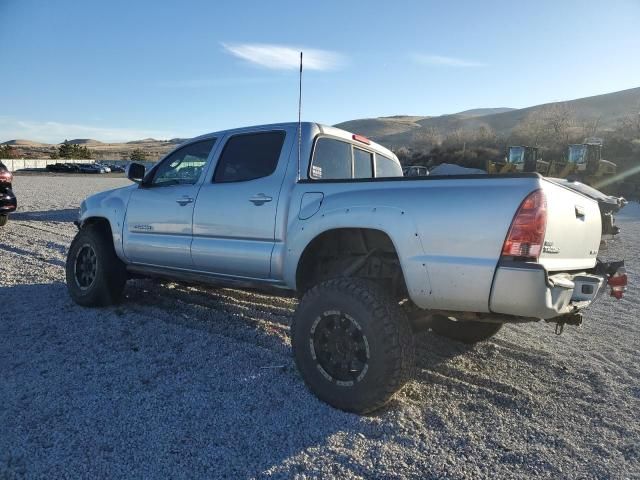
(352, 344)
(464, 331)
(95, 275)
(3, 220)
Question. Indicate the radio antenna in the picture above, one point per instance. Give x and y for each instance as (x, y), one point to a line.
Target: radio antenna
(299, 118)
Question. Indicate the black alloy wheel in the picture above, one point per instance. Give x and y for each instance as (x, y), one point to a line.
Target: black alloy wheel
(339, 347)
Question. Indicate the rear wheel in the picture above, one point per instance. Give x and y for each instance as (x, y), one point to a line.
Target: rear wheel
(464, 331)
(3, 220)
(95, 274)
(352, 344)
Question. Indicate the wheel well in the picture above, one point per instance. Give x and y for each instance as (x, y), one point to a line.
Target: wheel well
(99, 223)
(351, 252)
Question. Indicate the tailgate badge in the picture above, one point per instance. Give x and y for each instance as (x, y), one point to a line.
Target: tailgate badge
(549, 248)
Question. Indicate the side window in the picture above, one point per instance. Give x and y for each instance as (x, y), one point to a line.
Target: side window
(331, 160)
(249, 156)
(385, 167)
(184, 166)
(362, 163)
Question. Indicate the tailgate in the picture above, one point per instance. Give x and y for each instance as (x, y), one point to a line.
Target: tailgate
(573, 232)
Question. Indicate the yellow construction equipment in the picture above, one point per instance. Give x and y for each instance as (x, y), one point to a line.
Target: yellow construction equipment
(520, 158)
(583, 162)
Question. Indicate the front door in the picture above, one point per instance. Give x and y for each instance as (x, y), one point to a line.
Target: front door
(234, 217)
(158, 225)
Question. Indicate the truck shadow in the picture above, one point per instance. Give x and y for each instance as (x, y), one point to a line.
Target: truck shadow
(30, 254)
(62, 215)
(195, 376)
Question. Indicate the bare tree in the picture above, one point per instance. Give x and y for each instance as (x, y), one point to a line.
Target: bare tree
(426, 138)
(552, 125)
(629, 126)
(590, 127)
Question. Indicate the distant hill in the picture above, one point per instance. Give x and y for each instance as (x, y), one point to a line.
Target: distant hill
(607, 108)
(84, 141)
(394, 131)
(23, 143)
(479, 112)
(383, 126)
(144, 140)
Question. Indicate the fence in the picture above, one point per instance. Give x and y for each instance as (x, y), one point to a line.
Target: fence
(14, 164)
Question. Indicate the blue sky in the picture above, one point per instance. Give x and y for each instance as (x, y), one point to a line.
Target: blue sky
(121, 70)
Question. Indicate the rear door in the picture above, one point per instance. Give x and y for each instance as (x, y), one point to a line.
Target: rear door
(158, 224)
(235, 214)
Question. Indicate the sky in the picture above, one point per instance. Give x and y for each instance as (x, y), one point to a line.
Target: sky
(124, 70)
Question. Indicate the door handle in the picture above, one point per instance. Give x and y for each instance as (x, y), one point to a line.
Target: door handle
(184, 200)
(260, 199)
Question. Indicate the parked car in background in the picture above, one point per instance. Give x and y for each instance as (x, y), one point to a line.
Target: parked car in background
(372, 254)
(116, 168)
(91, 168)
(107, 168)
(415, 171)
(8, 202)
(63, 167)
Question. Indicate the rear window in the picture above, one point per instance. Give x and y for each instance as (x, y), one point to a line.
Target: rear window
(385, 167)
(362, 163)
(331, 160)
(249, 156)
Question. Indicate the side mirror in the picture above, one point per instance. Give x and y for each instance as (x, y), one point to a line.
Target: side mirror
(135, 172)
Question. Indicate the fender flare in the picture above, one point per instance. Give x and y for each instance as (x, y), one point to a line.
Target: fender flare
(406, 240)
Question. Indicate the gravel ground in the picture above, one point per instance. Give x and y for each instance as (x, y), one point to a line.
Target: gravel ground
(182, 381)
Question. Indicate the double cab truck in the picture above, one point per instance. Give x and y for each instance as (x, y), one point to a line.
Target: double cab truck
(372, 255)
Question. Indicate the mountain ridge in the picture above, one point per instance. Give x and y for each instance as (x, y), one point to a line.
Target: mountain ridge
(401, 130)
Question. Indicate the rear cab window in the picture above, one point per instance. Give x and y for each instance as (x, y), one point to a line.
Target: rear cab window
(336, 159)
(386, 167)
(362, 163)
(331, 159)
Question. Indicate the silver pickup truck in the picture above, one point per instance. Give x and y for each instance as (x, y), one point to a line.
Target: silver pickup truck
(373, 256)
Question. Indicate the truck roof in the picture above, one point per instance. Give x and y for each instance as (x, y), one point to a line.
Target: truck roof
(324, 129)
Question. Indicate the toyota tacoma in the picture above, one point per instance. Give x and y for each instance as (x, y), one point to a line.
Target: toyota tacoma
(372, 255)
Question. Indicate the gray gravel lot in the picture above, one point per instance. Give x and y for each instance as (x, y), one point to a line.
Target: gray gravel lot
(183, 381)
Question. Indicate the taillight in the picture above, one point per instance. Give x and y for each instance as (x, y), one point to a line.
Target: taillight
(5, 176)
(526, 235)
(618, 283)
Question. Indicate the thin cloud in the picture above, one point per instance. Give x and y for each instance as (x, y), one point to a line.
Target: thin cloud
(212, 82)
(442, 61)
(56, 132)
(281, 57)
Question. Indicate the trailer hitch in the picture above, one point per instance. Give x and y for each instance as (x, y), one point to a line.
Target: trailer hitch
(574, 318)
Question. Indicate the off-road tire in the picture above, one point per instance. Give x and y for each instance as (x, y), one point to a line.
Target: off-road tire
(110, 276)
(388, 335)
(3, 220)
(464, 331)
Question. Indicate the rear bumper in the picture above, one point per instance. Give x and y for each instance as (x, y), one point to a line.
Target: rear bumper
(8, 202)
(527, 290)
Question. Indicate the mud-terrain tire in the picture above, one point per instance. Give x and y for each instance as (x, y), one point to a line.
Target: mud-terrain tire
(349, 321)
(3, 220)
(464, 331)
(95, 275)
